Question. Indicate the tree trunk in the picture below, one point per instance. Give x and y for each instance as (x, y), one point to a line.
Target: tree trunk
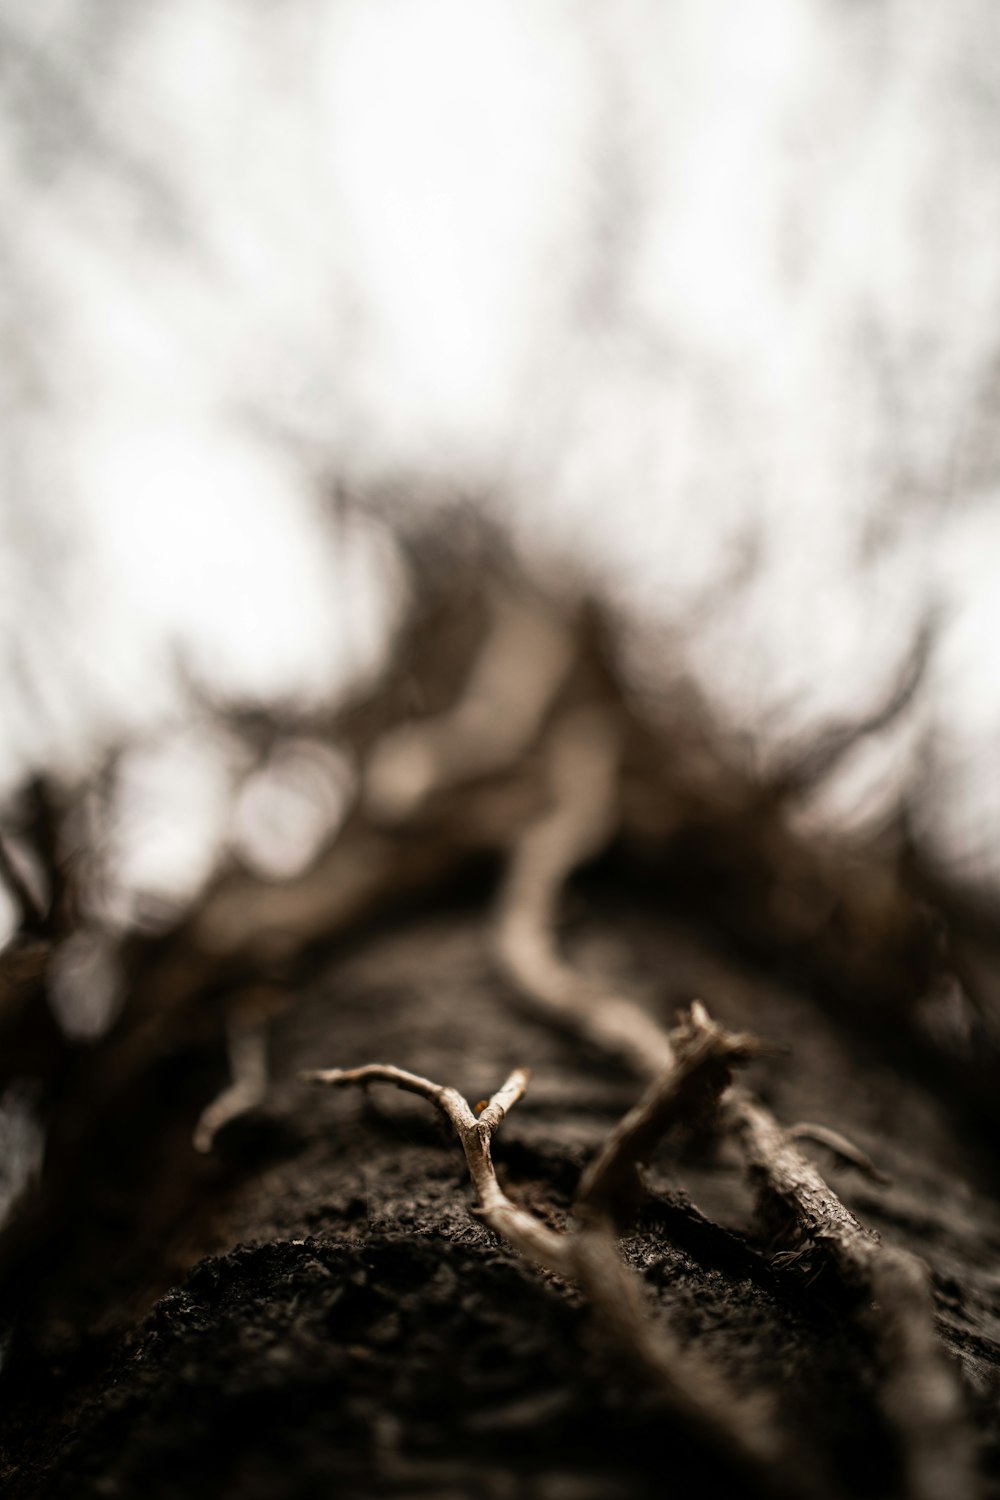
(311, 1308)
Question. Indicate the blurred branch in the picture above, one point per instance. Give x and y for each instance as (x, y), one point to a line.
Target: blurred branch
(829, 747)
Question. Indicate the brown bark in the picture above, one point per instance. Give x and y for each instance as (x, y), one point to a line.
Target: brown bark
(285, 1291)
(312, 1307)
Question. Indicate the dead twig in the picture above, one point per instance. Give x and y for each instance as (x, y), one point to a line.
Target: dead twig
(805, 1130)
(583, 775)
(587, 1254)
(513, 683)
(248, 1065)
(919, 1393)
(526, 1233)
(688, 1090)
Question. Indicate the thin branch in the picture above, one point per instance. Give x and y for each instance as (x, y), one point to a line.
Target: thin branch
(704, 1059)
(805, 1130)
(588, 1255)
(583, 773)
(248, 1065)
(512, 686)
(920, 1394)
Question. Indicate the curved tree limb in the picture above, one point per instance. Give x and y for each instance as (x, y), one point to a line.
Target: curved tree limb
(583, 761)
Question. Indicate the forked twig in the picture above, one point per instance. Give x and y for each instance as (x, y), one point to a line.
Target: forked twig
(587, 1254)
(525, 1232)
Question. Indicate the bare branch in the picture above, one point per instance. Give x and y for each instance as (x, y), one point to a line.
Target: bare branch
(704, 1060)
(247, 1048)
(840, 1146)
(525, 1232)
(583, 771)
(588, 1256)
(511, 688)
(920, 1395)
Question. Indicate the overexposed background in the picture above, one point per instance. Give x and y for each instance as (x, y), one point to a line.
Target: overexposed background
(701, 298)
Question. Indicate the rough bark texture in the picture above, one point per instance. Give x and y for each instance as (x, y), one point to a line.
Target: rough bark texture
(312, 1309)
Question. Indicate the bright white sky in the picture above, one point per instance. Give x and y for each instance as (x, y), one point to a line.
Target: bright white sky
(678, 285)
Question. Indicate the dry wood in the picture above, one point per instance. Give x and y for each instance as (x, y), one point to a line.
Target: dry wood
(587, 1253)
(248, 1066)
(513, 682)
(583, 763)
(919, 1391)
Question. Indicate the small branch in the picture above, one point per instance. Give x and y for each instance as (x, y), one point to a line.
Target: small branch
(788, 1182)
(687, 1090)
(919, 1393)
(248, 1064)
(588, 1255)
(583, 769)
(704, 1059)
(526, 1233)
(512, 686)
(840, 1146)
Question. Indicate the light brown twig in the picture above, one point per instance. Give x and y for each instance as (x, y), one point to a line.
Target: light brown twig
(704, 1057)
(247, 1050)
(523, 1230)
(919, 1394)
(583, 776)
(511, 687)
(588, 1254)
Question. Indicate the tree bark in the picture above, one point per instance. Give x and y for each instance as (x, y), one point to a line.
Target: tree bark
(311, 1308)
